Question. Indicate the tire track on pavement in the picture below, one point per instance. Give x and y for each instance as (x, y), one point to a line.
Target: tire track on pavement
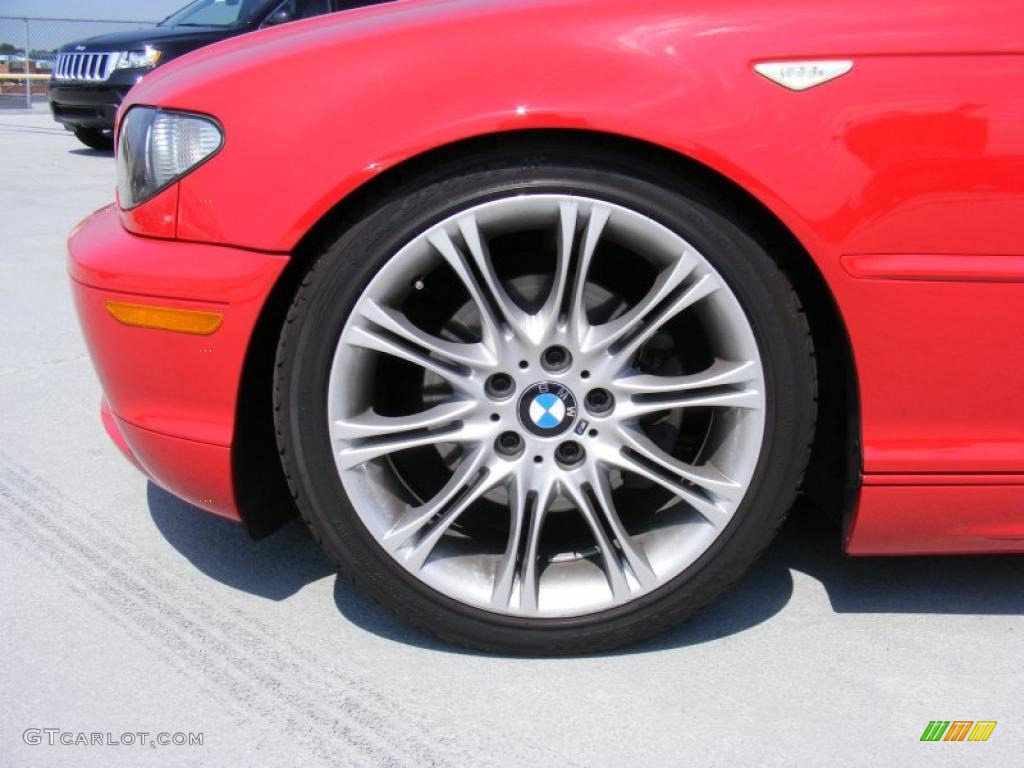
(256, 662)
(259, 677)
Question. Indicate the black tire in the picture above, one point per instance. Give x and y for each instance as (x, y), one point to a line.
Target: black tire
(94, 138)
(332, 285)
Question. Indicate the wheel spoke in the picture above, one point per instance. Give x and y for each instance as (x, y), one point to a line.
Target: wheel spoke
(703, 287)
(714, 387)
(415, 518)
(706, 476)
(568, 215)
(614, 565)
(714, 514)
(528, 511)
(518, 321)
(415, 556)
(375, 339)
(530, 567)
(501, 315)
(573, 266)
(668, 281)
(634, 556)
(355, 451)
(372, 424)
(596, 221)
(455, 354)
(718, 374)
(614, 571)
(509, 566)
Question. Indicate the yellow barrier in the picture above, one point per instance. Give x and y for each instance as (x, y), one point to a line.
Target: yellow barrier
(30, 76)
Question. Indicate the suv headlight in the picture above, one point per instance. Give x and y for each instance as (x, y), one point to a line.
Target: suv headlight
(146, 59)
(157, 147)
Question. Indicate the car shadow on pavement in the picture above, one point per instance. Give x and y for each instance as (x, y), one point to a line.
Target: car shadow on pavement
(940, 584)
(809, 543)
(85, 152)
(275, 567)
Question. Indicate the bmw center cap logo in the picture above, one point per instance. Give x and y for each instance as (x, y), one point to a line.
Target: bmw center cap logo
(547, 409)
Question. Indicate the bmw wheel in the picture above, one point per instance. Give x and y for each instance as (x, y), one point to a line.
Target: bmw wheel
(545, 405)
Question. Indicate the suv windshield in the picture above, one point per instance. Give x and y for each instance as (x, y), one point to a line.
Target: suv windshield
(217, 13)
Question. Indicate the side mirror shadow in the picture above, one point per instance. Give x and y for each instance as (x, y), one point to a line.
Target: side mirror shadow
(280, 16)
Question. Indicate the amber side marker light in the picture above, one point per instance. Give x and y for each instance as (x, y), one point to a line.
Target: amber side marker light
(165, 318)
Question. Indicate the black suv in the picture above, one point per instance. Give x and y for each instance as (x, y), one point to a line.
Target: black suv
(91, 77)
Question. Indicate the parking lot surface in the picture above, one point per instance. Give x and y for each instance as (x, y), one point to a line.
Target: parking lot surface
(125, 610)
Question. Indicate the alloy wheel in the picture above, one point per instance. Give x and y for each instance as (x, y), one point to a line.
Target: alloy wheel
(546, 405)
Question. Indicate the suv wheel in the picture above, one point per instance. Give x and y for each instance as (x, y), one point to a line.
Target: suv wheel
(94, 138)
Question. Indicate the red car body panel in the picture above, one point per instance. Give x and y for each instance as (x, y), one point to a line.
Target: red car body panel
(171, 398)
(917, 519)
(903, 180)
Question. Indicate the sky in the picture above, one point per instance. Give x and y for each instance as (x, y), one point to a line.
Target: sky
(142, 10)
(47, 35)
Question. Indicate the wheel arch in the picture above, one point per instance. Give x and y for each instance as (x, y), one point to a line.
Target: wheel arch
(833, 475)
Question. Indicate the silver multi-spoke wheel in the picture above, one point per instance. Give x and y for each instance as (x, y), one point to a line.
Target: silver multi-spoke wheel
(546, 405)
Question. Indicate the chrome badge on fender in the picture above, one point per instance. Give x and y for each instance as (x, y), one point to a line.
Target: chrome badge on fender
(801, 75)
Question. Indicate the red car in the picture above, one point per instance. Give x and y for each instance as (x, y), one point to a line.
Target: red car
(542, 313)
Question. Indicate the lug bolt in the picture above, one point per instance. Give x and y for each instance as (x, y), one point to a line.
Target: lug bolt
(569, 453)
(599, 401)
(509, 444)
(500, 386)
(556, 359)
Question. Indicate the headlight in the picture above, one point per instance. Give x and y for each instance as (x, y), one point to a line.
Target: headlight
(156, 148)
(146, 59)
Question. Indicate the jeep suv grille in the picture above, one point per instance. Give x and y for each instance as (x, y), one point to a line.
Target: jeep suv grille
(84, 66)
